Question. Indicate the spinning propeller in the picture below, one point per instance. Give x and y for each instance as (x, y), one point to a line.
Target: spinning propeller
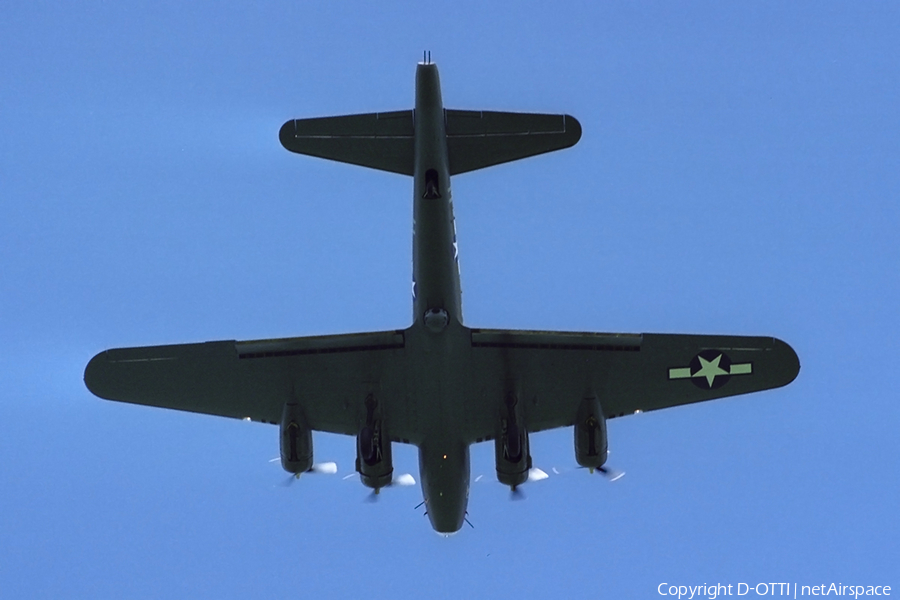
(325, 468)
(404, 480)
(534, 474)
(609, 473)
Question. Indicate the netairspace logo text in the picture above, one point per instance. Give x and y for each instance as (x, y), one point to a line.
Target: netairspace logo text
(714, 590)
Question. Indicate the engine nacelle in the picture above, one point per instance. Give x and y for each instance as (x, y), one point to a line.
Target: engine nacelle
(511, 444)
(590, 435)
(373, 449)
(296, 440)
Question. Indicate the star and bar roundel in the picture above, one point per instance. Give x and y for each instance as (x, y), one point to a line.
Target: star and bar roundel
(710, 369)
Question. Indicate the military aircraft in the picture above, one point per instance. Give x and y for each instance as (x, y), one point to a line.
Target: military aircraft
(438, 384)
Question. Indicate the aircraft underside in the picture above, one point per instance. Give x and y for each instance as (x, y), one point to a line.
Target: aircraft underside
(439, 384)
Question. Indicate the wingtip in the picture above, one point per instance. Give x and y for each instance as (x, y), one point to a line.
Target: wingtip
(287, 133)
(92, 373)
(573, 128)
(789, 359)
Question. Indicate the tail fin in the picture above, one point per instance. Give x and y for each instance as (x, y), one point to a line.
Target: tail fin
(475, 139)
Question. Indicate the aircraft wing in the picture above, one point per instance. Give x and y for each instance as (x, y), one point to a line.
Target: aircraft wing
(328, 375)
(553, 371)
(550, 371)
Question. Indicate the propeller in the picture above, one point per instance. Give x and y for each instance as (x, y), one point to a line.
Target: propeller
(609, 473)
(534, 474)
(325, 468)
(404, 480)
(290, 479)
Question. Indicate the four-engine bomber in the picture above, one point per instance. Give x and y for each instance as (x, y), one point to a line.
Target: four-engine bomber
(439, 384)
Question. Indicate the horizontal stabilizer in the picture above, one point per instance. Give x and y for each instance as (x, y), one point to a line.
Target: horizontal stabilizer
(475, 139)
(478, 139)
(376, 140)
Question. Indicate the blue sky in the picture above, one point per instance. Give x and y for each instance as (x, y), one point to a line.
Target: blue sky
(738, 174)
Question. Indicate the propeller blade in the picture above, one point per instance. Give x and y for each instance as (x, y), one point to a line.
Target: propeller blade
(611, 474)
(325, 468)
(608, 472)
(404, 480)
(290, 479)
(536, 474)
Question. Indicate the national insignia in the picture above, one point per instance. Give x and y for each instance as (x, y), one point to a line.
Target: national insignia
(710, 369)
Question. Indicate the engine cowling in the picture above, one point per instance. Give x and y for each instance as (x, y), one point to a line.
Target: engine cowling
(373, 449)
(590, 435)
(296, 440)
(511, 449)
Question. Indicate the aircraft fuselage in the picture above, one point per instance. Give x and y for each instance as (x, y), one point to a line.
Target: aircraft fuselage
(437, 338)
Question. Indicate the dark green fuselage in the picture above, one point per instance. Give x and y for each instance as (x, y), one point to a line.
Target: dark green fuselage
(436, 353)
